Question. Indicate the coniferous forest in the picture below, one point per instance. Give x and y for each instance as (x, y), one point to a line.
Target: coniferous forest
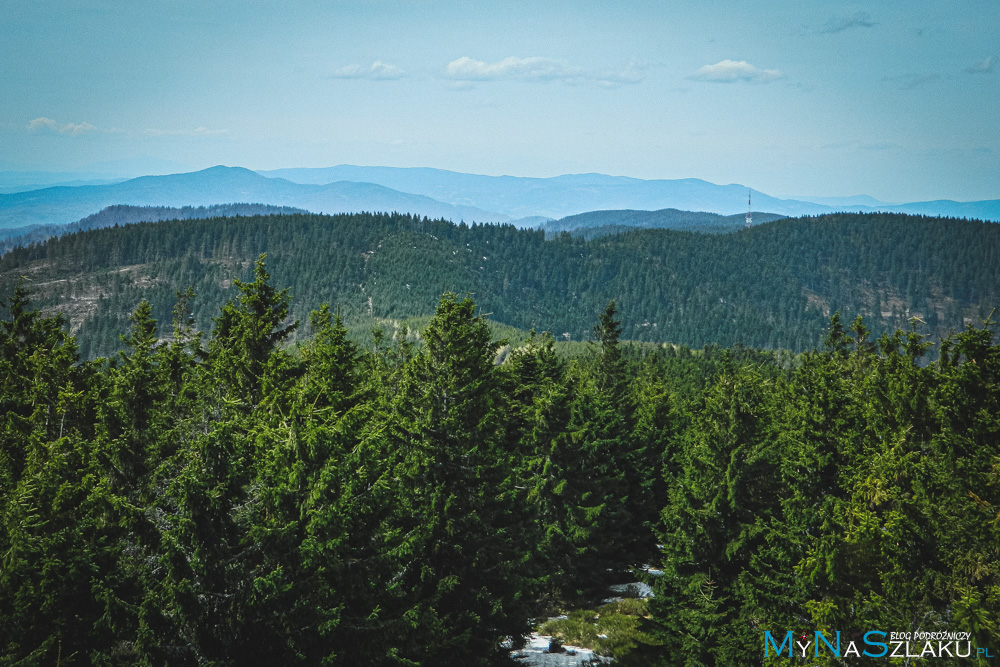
(267, 490)
(423, 333)
(773, 286)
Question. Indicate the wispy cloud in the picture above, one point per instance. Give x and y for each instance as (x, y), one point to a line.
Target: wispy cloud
(466, 71)
(732, 71)
(377, 71)
(842, 23)
(69, 129)
(911, 81)
(45, 124)
(196, 132)
(533, 68)
(631, 74)
(982, 67)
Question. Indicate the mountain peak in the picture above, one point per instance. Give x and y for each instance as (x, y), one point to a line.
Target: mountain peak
(221, 168)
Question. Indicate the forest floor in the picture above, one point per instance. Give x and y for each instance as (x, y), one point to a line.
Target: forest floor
(536, 654)
(585, 636)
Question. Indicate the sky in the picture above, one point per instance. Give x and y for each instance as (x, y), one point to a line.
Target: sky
(896, 99)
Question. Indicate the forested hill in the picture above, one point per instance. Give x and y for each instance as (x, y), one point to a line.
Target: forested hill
(123, 214)
(601, 223)
(771, 286)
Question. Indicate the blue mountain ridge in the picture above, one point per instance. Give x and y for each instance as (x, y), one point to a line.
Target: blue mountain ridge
(429, 192)
(217, 185)
(571, 194)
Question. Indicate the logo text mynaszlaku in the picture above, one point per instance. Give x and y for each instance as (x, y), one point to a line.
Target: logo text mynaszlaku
(874, 644)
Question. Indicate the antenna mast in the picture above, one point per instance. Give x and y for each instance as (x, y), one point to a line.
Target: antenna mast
(749, 214)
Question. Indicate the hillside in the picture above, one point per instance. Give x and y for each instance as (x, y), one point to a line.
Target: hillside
(772, 286)
(121, 214)
(601, 223)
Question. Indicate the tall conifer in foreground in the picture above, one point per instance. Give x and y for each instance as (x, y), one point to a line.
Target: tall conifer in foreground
(56, 547)
(462, 506)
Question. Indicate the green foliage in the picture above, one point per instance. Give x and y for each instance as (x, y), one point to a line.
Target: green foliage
(470, 533)
(846, 497)
(276, 496)
(611, 630)
(772, 286)
(595, 224)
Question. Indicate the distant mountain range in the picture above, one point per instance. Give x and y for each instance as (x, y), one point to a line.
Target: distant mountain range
(856, 200)
(96, 173)
(221, 185)
(555, 197)
(563, 196)
(429, 192)
(23, 181)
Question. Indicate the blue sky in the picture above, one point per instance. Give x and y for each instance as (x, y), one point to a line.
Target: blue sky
(895, 99)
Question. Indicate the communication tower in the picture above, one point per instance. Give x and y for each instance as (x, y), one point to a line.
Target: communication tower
(749, 214)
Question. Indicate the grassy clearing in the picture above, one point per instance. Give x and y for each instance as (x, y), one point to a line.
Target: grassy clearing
(612, 629)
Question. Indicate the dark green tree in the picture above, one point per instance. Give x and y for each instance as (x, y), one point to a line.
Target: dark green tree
(462, 508)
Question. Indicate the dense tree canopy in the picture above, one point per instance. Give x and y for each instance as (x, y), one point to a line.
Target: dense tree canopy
(772, 286)
(237, 497)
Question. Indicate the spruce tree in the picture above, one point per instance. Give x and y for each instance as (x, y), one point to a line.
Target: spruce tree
(462, 507)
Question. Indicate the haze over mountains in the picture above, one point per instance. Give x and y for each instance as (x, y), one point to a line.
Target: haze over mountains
(95, 173)
(556, 197)
(561, 196)
(429, 192)
(219, 185)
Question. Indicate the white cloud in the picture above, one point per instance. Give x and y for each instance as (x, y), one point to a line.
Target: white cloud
(377, 71)
(464, 71)
(534, 68)
(841, 23)
(731, 71)
(982, 67)
(70, 129)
